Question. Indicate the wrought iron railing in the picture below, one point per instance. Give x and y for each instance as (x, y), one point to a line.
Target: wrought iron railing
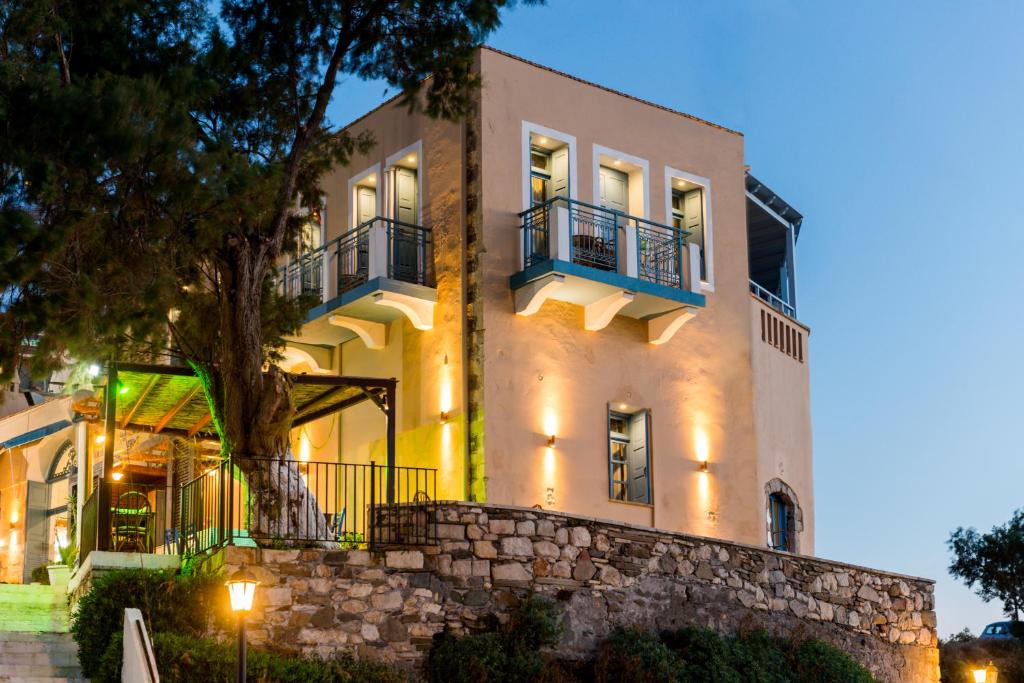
(776, 302)
(408, 252)
(140, 519)
(340, 505)
(409, 259)
(351, 256)
(594, 240)
(660, 252)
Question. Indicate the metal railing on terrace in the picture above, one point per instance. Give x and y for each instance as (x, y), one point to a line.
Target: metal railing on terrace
(142, 519)
(610, 240)
(379, 247)
(325, 503)
(776, 302)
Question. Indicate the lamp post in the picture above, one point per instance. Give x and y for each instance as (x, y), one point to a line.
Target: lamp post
(241, 588)
(986, 674)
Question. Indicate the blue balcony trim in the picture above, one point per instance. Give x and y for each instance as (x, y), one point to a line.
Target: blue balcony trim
(630, 284)
(377, 284)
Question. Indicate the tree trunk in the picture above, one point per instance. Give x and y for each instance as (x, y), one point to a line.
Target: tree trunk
(254, 410)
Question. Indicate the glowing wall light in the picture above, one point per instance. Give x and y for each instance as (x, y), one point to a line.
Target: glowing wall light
(117, 476)
(445, 402)
(701, 448)
(550, 426)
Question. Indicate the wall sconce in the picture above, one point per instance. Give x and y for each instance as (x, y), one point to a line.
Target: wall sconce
(551, 440)
(444, 417)
(117, 475)
(703, 465)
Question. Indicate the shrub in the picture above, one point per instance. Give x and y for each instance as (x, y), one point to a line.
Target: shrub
(184, 659)
(814, 660)
(630, 655)
(169, 604)
(40, 575)
(507, 654)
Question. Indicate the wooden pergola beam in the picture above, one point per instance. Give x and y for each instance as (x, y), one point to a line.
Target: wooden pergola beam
(203, 421)
(163, 422)
(142, 397)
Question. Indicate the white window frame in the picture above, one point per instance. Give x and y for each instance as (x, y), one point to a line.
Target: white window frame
(645, 171)
(417, 149)
(352, 182)
(537, 129)
(709, 233)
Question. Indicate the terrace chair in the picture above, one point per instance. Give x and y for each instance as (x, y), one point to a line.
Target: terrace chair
(130, 522)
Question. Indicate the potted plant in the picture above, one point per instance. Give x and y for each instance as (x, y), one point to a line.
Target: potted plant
(60, 573)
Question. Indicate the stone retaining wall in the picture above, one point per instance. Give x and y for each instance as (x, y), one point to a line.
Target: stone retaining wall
(389, 605)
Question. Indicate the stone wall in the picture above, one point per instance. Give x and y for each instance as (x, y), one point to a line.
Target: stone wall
(388, 605)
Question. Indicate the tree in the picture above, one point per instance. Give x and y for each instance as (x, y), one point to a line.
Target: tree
(157, 158)
(994, 562)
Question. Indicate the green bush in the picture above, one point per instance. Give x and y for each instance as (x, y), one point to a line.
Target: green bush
(630, 655)
(184, 659)
(169, 604)
(701, 656)
(40, 575)
(508, 654)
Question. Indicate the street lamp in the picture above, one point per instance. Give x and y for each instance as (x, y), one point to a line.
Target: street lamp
(241, 589)
(987, 674)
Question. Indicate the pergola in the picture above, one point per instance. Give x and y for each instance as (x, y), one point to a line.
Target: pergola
(169, 400)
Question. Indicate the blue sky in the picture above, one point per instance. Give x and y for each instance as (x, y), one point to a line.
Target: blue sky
(895, 128)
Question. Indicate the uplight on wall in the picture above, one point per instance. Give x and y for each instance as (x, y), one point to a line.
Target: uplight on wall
(701, 449)
(551, 441)
(550, 427)
(445, 404)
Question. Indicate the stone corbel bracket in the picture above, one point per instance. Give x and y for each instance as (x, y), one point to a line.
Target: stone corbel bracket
(374, 335)
(597, 315)
(420, 312)
(663, 327)
(530, 297)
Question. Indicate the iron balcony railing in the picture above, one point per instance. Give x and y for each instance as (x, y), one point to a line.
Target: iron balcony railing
(597, 237)
(332, 504)
(142, 518)
(349, 260)
(776, 302)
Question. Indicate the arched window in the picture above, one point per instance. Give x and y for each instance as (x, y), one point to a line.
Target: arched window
(784, 517)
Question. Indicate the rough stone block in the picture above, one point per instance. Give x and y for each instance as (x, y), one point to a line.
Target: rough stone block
(485, 550)
(404, 559)
(502, 526)
(516, 546)
(511, 571)
(579, 536)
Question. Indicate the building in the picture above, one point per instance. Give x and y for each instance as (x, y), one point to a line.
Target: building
(587, 300)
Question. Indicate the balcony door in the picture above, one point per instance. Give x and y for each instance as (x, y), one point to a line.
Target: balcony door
(406, 240)
(614, 187)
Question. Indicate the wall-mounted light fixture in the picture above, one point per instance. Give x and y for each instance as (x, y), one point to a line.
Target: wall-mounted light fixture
(446, 392)
(551, 440)
(117, 475)
(703, 465)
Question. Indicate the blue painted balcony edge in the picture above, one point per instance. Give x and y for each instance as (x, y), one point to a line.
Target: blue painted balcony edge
(630, 284)
(377, 284)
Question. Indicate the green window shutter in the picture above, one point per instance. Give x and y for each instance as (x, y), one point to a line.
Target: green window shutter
(639, 458)
(693, 211)
(560, 172)
(36, 531)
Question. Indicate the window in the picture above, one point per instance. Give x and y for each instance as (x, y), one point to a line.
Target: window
(781, 523)
(629, 457)
(540, 176)
(548, 163)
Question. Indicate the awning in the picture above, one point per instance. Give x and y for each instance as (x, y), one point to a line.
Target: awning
(35, 423)
(164, 399)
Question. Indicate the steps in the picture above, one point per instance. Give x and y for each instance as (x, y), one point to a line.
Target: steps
(35, 646)
(38, 658)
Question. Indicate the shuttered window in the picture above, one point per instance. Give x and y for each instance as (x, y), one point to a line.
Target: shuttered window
(629, 457)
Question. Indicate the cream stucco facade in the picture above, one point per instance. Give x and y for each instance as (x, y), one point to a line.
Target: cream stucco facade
(485, 381)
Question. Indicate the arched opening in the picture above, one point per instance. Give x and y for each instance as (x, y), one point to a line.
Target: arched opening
(784, 517)
(61, 499)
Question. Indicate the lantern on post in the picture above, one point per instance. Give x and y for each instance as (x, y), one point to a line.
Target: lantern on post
(241, 589)
(985, 674)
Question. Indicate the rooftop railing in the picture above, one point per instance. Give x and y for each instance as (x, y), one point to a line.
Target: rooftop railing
(606, 239)
(379, 247)
(776, 302)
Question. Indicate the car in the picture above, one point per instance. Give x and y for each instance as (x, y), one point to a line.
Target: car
(1004, 630)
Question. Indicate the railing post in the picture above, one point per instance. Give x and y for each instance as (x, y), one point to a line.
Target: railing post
(632, 257)
(373, 502)
(378, 248)
(559, 233)
(693, 260)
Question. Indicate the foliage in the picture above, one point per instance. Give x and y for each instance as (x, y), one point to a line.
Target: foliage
(630, 655)
(958, 657)
(702, 656)
(169, 604)
(510, 653)
(183, 659)
(40, 575)
(159, 157)
(992, 563)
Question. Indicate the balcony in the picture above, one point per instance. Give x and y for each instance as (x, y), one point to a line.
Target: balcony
(366, 278)
(610, 263)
